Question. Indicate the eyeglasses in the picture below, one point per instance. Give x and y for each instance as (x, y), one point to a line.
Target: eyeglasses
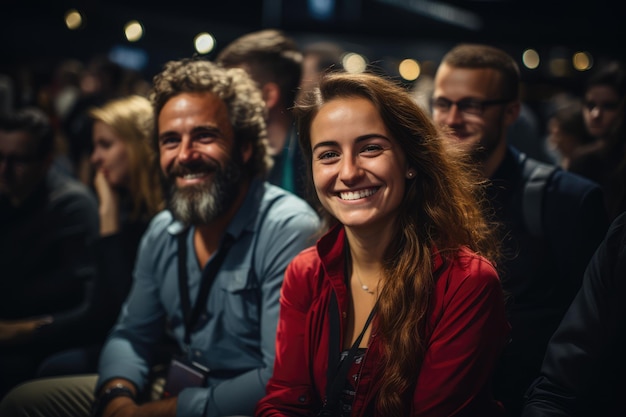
(469, 106)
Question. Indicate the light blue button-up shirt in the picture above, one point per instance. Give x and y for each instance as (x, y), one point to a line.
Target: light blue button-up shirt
(235, 336)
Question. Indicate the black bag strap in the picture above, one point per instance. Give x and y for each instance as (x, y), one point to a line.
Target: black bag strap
(336, 378)
(191, 314)
(536, 175)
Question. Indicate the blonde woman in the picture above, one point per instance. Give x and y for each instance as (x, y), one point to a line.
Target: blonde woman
(128, 186)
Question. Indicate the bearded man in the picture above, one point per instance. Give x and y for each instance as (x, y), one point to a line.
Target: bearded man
(209, 269)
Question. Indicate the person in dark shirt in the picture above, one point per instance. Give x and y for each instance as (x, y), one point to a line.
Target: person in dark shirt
(274, 62)
(604, 112)
(476, 96)
(583, 371)
(47, 222)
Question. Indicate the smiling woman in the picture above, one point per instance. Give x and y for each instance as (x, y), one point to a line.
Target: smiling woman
(403, 309)
(359, 175)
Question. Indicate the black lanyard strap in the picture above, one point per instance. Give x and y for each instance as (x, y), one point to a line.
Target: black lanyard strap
(336, 378)
(191, 314)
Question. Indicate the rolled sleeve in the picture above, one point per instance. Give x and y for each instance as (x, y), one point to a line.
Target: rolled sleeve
(128, 350)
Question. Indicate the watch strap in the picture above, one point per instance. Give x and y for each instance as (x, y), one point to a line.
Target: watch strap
(117, 390)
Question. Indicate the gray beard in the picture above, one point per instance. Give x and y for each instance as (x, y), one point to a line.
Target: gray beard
(198, 204)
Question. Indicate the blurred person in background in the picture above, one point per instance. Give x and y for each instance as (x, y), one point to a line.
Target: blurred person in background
(567, 133)
(48, 221)
(274, 61)
(604, 111)
(100, 80)
(550, 229)
(7, 94)
(129, 190)
(319, 58)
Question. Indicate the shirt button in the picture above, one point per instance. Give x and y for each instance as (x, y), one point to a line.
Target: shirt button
(197, 353)
(302, 398)
(344, 314)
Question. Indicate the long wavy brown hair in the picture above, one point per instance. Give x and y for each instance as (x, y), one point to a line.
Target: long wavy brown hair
(443, 210)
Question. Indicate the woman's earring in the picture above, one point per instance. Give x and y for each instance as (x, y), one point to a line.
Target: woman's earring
(410, 174)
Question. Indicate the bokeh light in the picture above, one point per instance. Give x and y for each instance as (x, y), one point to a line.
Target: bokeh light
(582, 61)
(354, 63)
(204, 43)
(73, 19)
(530, 59)
(133, 31)
(409, 69)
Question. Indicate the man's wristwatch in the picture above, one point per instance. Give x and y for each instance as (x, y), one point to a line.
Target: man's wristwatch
(117, 390)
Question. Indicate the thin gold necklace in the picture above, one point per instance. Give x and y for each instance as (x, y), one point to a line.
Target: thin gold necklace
(348, 262)
(363, 286)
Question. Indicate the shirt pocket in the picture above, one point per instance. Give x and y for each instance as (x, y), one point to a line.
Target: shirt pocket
(241, 300)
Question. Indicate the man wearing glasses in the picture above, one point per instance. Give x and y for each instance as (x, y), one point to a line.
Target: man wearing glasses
(476, 95)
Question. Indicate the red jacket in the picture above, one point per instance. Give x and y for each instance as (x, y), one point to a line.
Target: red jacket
(466, 333)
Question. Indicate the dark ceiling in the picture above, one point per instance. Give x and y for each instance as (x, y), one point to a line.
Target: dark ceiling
(34, 29)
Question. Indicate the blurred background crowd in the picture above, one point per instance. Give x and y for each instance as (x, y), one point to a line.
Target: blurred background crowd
(71, 54)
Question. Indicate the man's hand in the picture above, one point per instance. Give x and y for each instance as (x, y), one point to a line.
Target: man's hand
(126, 407)
(120, 407)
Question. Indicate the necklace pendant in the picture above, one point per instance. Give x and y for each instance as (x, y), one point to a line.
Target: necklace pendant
(364, 287)
(367, 289)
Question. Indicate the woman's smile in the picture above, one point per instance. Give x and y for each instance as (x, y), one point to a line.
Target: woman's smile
(358, 194)
(359, 171)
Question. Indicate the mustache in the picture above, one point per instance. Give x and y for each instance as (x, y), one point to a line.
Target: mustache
(194, 167)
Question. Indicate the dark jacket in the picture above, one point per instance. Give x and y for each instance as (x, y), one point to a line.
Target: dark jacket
(45, 262)
(540, 275)
(583, 371)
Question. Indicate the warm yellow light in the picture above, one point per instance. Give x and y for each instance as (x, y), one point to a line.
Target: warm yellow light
(582, 61)
(354, 63)
(204, 43)
(409, 69)
(73, 19)
(530, 59)
(133, 31)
